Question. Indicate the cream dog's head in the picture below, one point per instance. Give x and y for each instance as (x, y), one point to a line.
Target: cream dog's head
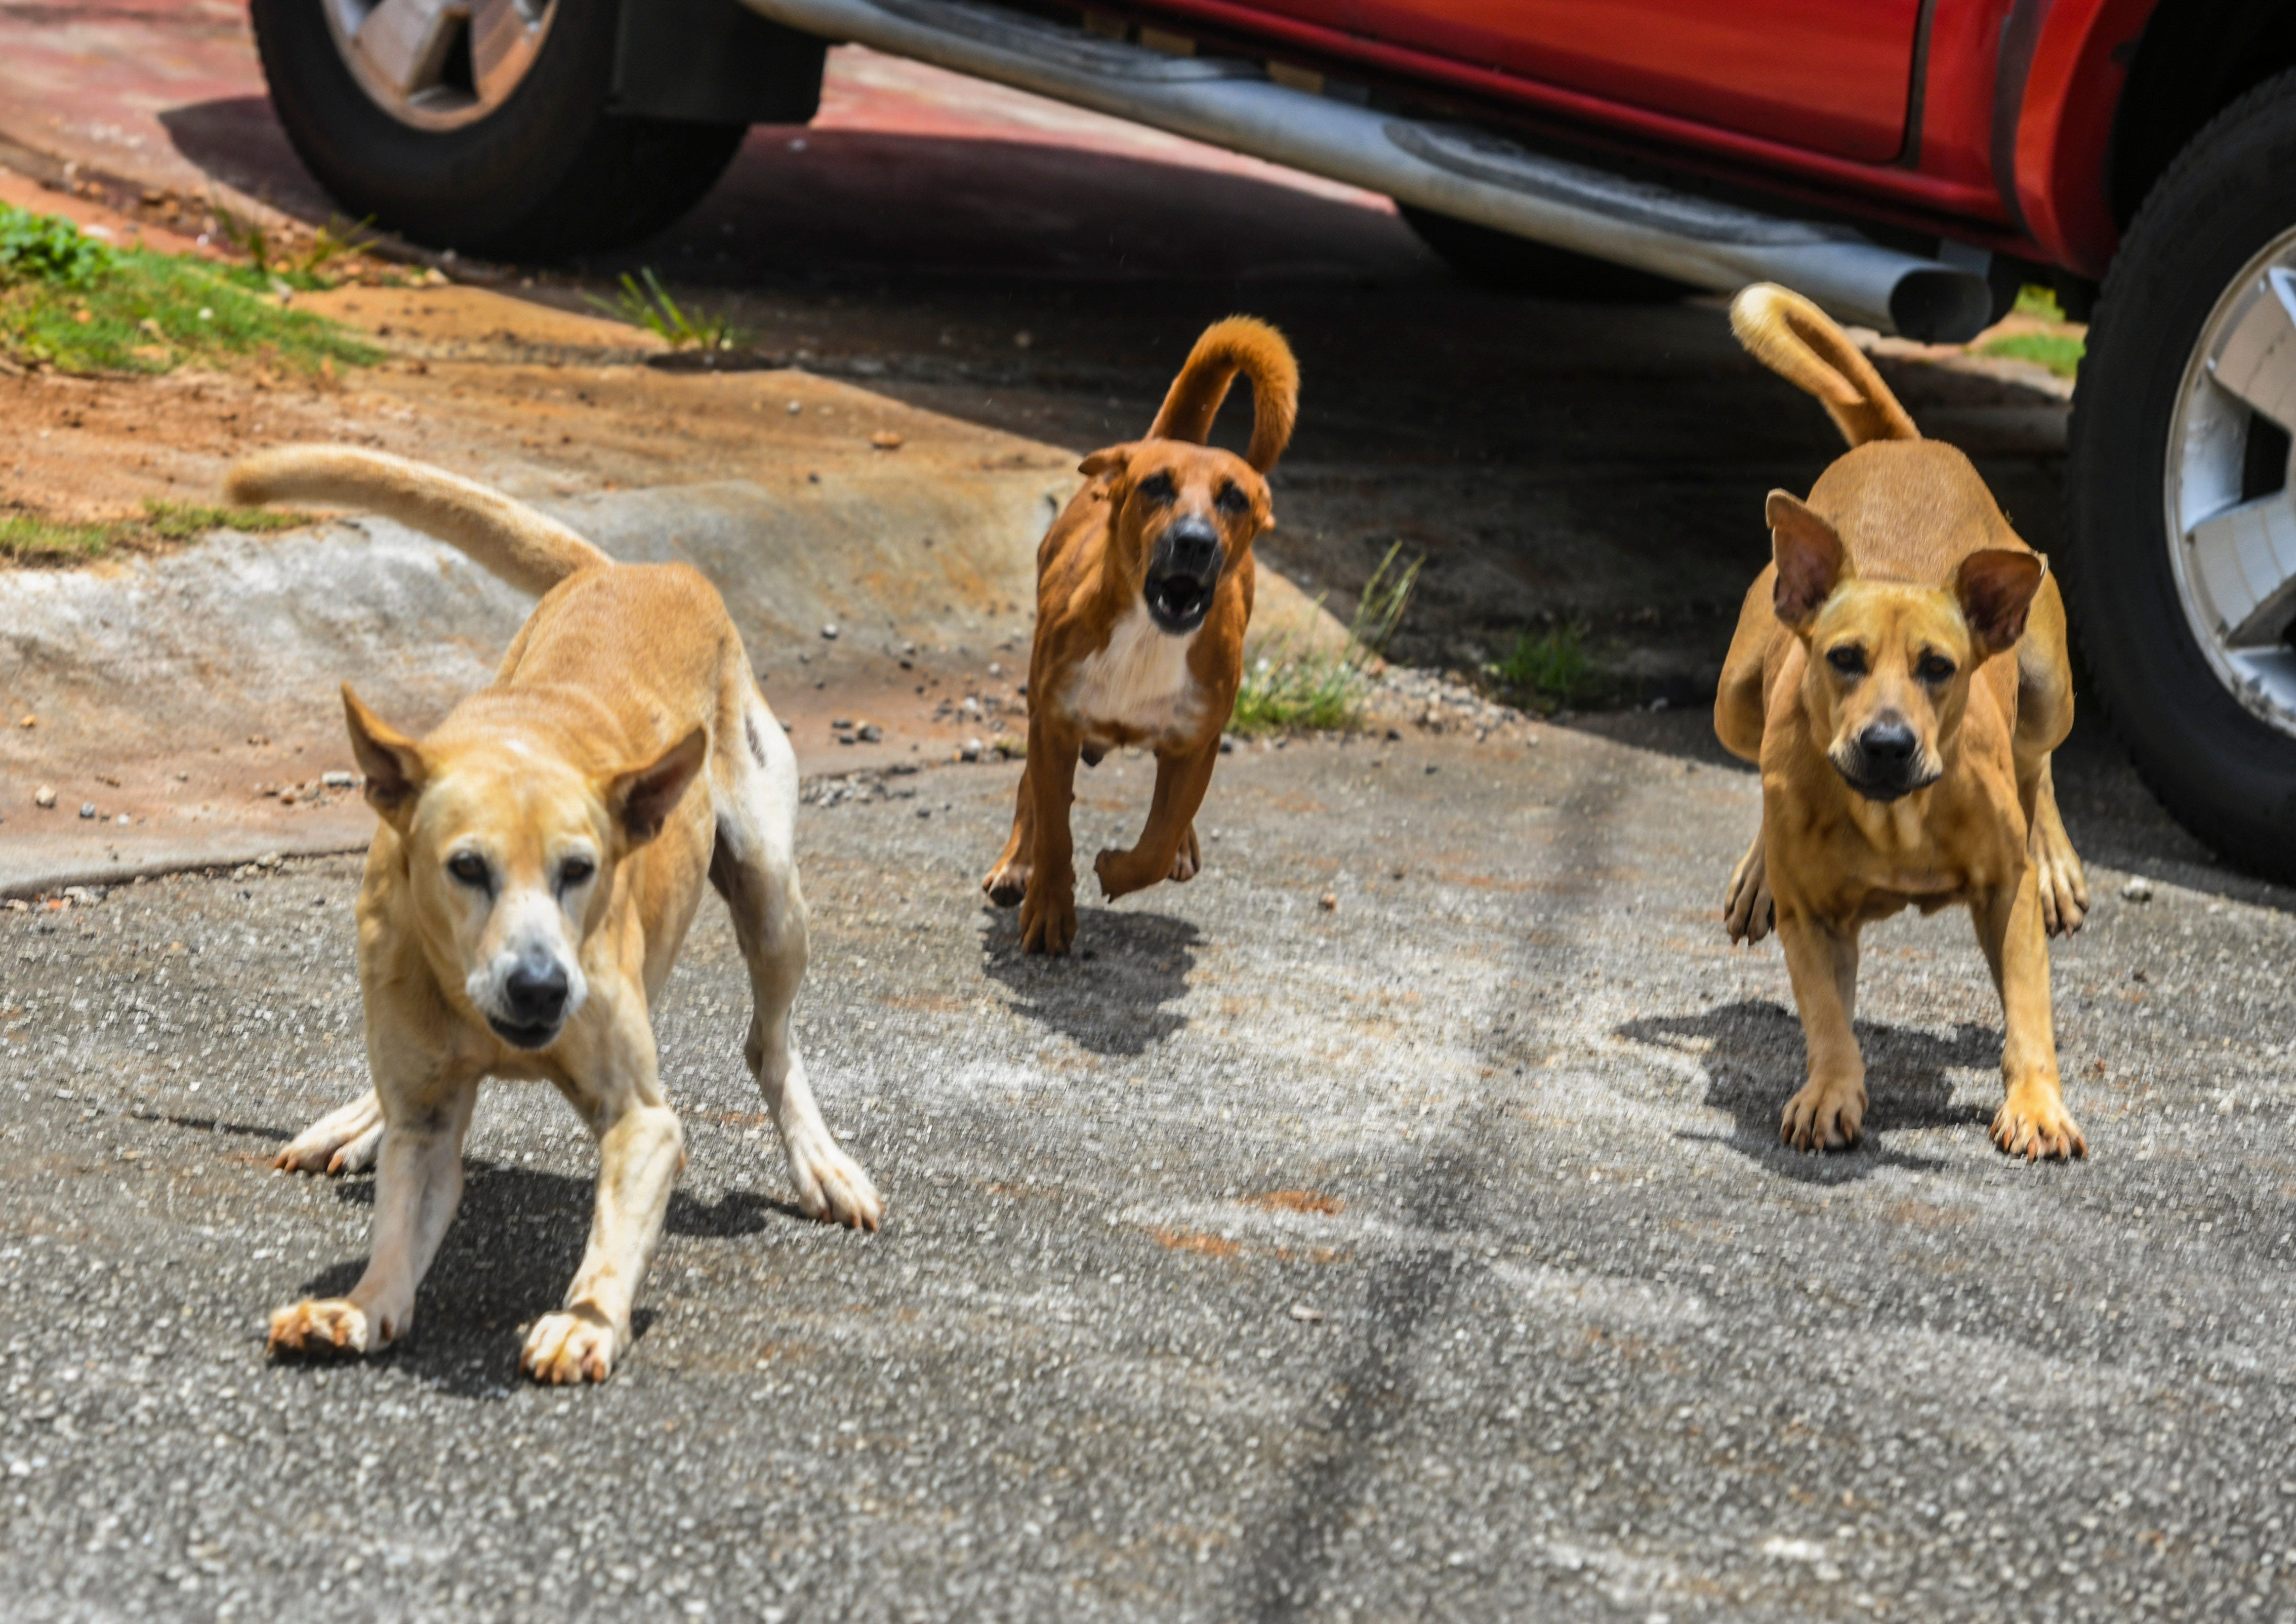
(1180, 517)
(1889, 663)
(509, 849)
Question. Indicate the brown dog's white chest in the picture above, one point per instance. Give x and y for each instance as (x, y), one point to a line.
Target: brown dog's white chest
(1139, 686)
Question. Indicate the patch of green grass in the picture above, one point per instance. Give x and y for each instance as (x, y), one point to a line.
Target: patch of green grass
(649, 305)
(2059, 352)
(2039, 302)
(273, 263)
(1289, 687)
(27, 540)
(1552, 668)
(70, 302)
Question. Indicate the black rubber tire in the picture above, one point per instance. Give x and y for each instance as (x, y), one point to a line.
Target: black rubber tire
(548, 174)
(1501, 262)
(2228, 775)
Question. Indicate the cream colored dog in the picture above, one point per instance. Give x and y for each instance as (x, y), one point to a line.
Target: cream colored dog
(540, 858)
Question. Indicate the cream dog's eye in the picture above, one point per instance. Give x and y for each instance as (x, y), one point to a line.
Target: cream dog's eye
(1934, 668)
(469, 867)
(575, 871)
(1849, 659)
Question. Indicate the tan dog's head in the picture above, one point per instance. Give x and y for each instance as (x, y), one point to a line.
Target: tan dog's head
(1889, 663)
(1180, 517)
(510, 851)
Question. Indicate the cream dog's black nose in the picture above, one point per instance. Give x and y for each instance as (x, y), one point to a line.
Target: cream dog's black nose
(1888, 746)
(535, 991)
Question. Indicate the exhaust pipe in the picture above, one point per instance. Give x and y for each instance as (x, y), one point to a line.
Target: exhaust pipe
(1449, 168)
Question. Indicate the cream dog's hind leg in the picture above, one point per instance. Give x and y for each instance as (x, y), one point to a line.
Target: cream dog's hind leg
(755, 868)
(344, 1141)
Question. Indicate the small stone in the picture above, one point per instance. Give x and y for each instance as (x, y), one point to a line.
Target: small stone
(338, 780)
(87, 808)
(995, 669)
(971, 750)
(1023, 339)
(971, 706)
(795, 406)
(1227, 744)
(829, 632)
(885, 439)
(121, 818)
(1306, 1315)
(1329, 902)
(841, 724)
(1432, 769)
(2138, 890)
(870, 733)
(44, 796)
(29, 721)
(1393, 735)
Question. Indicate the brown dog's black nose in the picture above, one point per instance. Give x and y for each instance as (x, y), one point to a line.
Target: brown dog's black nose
(1191, 547)
(535, 991)
(1888, 747)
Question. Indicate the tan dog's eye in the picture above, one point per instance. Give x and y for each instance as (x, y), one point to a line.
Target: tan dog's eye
(575, 871)
(1232, 499)
(1158, 489)
(470, 868)
(1934, 668)
(1849, 659)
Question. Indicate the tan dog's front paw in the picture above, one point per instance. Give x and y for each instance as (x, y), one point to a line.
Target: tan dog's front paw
(336, 1325)
(1048, 921)
(575, 1345)
(1824, 1117)
(1006, 883)
(1748, 914)
(830, 1185)
(2034, 1123)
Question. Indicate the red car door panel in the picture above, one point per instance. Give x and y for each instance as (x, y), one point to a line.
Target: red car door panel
(1831, 76)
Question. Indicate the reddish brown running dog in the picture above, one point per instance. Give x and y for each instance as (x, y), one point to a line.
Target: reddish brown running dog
(1143, 589)
(1899, 675)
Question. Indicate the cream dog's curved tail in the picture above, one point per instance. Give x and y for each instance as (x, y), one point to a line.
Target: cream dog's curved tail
(1798, 342)
(1239, 344)
(506, 537)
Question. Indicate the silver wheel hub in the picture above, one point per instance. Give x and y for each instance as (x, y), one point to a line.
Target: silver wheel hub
(2231, 486)
(434, 64)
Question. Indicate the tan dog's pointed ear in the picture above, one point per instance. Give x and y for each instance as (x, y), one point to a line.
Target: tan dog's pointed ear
(641, 799)
(1111, 460)
(1811, 559)
(392, 762)
(1995, 589)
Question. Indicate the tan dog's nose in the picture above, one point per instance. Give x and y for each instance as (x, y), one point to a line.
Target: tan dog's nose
(1889, 746)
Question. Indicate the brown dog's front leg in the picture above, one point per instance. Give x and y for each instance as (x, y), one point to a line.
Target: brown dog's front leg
(1181, 780)
(1007, 879)
(1049, 910)
(2032, 1121)
(1829, 1113)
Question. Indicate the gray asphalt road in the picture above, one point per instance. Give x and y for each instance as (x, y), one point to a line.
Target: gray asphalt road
(1428, 1255)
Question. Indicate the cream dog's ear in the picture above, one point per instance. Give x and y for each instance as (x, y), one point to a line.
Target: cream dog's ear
(1812, 561)
(1995, 589)
(392, 762)
(641, 799)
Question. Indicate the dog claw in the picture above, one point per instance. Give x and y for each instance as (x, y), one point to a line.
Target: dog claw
(574, 1345)
(1823, 1118)
(831, 1187)
(1007, 884)
(335, 1326)
(1748, 912)
(2038, 1130)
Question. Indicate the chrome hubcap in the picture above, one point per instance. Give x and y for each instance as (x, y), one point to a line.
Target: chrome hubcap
(2231, 486)
(435, 64)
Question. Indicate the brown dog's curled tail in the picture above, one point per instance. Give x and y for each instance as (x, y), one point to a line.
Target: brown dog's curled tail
(1798, 342)
(506, 537)
(1239, 344)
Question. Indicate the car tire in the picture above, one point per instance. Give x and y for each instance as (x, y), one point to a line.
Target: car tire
(1500, 262)
(2161, 452)
(548, 173)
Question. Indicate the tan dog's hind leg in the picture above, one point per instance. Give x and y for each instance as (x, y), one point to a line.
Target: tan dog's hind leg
(2045, 716)
(1747, 912)
(1829, 1113)
(2062, 884)
(344, 1141)
(1048, 911)
(418, 1183)
(1007, 879)
(1170, 831)
(2032, 1121)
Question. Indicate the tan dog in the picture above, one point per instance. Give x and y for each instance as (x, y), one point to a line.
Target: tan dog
(540, 857)
(1904, 759)
(1143, 589)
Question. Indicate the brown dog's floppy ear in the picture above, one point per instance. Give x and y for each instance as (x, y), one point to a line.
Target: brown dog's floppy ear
(1811, 559)
(1112, 460)
(642, 798)
(392, 762)
(1995, 589)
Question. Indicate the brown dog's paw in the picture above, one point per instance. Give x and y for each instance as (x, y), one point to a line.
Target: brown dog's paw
(1824, 1117)
(577, 1345)
(1188, 861)
(336, 1325)
(1048, 921)
(1007, 884)
(2034, 1123)
(1748, 914)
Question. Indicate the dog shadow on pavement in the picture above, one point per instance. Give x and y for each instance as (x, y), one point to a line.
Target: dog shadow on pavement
(1754, 1056)
(516, 1241)
(1113, 994)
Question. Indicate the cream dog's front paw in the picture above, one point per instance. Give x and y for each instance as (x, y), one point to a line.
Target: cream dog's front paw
(830, 1184)
(344, 1141)
(332, 1327)
(578, 1344)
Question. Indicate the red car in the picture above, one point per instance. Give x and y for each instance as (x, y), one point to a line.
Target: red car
(1909, 164)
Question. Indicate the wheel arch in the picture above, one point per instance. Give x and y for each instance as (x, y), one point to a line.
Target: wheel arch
(2194, 60)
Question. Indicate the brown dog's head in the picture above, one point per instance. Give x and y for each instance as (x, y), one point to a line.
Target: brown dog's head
(1180, 516)
(509, 850)
(1889, 663)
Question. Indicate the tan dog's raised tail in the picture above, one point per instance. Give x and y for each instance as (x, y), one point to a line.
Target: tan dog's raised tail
(1143, 590)
(541, 854)
(1899, 674)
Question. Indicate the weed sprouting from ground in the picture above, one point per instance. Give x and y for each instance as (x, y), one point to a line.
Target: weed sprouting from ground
(2059, 352)
(1551, 667)
(647, 303)
(273, 263)
(80, 306)
(25, 539)
(1289, 686)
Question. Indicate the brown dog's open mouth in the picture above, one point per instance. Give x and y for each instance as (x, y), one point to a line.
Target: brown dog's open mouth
(1179, 602)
